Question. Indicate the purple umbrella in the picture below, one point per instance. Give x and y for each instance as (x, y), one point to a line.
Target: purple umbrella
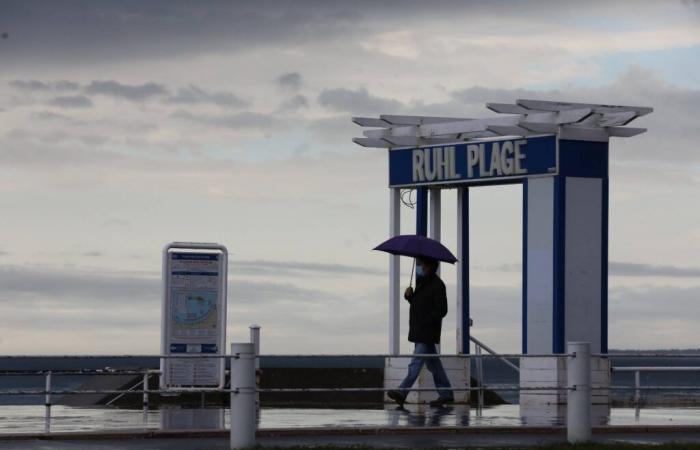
(417, 246)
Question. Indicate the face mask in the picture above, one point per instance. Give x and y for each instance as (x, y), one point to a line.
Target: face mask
(419, 271)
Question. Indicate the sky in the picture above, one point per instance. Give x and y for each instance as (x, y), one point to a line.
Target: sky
(127, 125)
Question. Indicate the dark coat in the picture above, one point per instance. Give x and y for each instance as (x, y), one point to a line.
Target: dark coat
(428, 307)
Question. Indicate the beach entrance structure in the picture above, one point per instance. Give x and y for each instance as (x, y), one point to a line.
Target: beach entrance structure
(559, 153)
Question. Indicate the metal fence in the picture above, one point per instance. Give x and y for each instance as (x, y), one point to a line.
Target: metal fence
(243, 390)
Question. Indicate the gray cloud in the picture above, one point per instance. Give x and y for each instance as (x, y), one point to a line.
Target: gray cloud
(294, 104)
(137, 92)
(81, 287)
(357, 101)
(115, 31)
(266, 267)
(621, 269)
(193, 95)
(50, 115)
(71, 101)
(76, 299)
(44, 86)
(290, 80)
(239, 120)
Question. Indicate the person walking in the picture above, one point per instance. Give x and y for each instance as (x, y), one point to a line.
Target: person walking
(428, 305)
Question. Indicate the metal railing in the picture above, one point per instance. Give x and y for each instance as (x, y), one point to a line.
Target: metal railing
(638, 382)
(244, 359)
(478, 347)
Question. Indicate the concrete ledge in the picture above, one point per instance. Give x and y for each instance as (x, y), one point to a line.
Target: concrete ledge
(345, 431)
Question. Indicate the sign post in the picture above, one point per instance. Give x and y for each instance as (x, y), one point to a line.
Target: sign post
(193, 322)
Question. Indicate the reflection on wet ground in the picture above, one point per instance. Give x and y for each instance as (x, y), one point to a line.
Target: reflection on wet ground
(30, 419)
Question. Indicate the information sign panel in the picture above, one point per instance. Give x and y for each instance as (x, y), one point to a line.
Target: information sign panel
(194, 314)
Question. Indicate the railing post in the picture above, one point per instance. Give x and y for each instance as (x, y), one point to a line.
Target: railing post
(242, 395)
(480, 376)
(145, 399)
(47, 403)
(637, 383)
(578, 410)
(255, 340)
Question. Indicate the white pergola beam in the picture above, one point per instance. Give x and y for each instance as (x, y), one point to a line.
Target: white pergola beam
(625, 131)
(370, 122)
(543, 105)
(416, 120)
(507, 108)
(509, 130)
(583, 121)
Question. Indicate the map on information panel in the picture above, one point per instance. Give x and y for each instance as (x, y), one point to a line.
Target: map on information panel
(196, 309)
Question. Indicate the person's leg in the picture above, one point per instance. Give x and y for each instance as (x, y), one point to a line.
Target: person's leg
(439, 376)
(413, 370)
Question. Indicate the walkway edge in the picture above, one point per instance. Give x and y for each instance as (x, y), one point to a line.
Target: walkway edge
(284, 432)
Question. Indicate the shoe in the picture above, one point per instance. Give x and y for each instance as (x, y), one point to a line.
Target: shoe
(440, 402)
(397, 396)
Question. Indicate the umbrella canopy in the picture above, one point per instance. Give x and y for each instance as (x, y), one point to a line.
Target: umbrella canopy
(417, 246)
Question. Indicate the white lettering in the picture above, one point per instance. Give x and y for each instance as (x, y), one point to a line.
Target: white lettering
(519, 157)
(452, 171)
(495, 160)
(418, 172)
(507, 158)
(472, 159)
(430, 169)
(440, 162)
(482, 162)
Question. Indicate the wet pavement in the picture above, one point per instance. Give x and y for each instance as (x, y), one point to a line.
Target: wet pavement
(383, 441)
(499, 426)
(30, 418)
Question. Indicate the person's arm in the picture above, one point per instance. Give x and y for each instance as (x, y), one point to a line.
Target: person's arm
(439, 309)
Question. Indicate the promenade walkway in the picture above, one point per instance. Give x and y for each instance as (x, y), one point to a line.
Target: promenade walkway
(372, 437)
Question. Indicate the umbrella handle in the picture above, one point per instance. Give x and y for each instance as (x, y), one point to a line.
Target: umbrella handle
(410, 283)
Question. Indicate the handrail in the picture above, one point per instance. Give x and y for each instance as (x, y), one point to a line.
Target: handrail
(493, 353)
(131, 389)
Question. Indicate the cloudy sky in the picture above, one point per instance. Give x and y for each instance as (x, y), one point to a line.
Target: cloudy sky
(127, 125)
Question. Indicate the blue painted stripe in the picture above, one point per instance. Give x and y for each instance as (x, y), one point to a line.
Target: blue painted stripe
(604, 271)
(199, 274)
(422, 211)
(464, 268)
(524, 263)
(195, 256)
(558, 309)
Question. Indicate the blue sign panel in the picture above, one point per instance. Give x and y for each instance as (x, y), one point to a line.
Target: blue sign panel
(471, 162)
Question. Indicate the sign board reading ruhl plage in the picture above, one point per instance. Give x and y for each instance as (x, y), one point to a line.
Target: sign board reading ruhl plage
(479, 161)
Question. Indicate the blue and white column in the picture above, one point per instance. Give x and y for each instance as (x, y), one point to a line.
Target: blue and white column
(565, 251)
(565, 246)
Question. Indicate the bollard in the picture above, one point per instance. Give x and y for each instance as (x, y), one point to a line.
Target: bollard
(578, 409)
(47, 403)
(243, 395)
